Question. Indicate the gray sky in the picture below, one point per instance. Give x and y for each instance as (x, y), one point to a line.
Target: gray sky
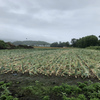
(49, 20)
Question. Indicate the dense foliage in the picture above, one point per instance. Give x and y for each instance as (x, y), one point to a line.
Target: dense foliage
(38, 91)
(83, 42)
(99, 42)
(8, 45)
(94, 47)
(3, 45)
(5, 94)
(60, 44)
(83, 91)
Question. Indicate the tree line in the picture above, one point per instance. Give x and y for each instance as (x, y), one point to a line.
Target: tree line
(83, 42)
(8, 45)
(60, 44)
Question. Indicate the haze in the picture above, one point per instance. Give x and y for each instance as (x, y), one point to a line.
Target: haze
(49, 20)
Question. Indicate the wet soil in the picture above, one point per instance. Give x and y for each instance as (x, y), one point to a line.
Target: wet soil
(48, 80)
(20, 80)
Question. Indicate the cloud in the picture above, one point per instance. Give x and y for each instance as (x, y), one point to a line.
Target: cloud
(49, 20)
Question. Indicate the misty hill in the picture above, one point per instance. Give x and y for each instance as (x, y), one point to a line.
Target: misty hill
(31, 43)
(7, 40)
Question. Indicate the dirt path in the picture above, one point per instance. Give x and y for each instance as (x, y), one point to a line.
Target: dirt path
(48, 80)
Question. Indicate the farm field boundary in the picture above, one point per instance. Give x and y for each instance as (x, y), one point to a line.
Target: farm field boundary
(46, 69)
(61, 62)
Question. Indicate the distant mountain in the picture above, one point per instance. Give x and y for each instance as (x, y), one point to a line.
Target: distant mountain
(31, 43)
(8, 40)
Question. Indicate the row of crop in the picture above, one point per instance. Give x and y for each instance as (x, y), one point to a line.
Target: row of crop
(75, 62)
(92, 64)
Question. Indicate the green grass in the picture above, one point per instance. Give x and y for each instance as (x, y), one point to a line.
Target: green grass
(94, 47)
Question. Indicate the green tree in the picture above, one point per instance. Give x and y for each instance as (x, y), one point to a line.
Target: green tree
(3, 45)
(91, 40)
(74, 42)
(99, 42)
(67, 44)
(86, 41)
(61, 44)
(55, 44)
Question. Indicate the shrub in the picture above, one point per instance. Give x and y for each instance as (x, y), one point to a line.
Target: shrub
(46, 98)
(3, 45)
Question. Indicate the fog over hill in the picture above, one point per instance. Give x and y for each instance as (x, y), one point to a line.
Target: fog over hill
(7, 40)
(31, 43)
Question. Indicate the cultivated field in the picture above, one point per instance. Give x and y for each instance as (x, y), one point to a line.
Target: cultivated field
(60, 62)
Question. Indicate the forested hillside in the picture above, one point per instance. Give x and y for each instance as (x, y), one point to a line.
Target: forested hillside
(83, 42)
(31, 43)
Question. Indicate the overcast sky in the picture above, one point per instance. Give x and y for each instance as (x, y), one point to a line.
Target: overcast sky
(49, 20)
